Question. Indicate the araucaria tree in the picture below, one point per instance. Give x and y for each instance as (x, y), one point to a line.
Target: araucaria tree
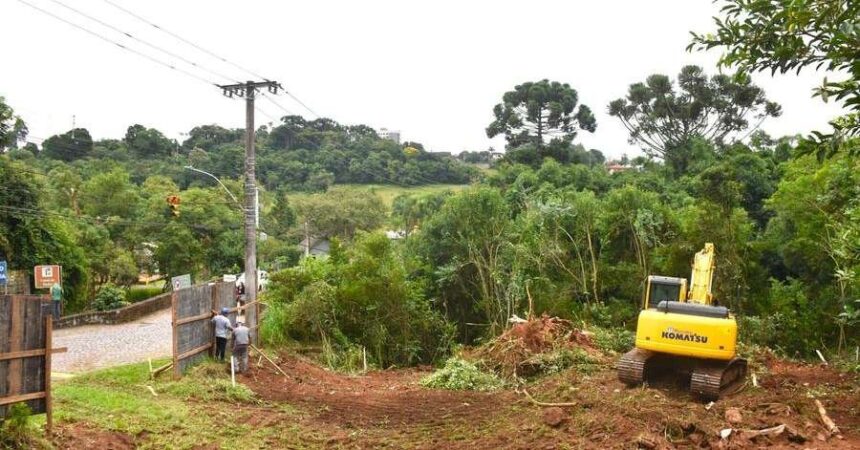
(664, 119)
(535, 112)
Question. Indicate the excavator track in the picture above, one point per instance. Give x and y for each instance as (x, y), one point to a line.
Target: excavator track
(631, 366)
(712, 380)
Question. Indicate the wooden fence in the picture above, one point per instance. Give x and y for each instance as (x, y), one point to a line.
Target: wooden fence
(25, 353)
(193, 333)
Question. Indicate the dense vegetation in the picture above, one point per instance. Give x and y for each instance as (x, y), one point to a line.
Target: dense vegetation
(548, 230)
(98, 207)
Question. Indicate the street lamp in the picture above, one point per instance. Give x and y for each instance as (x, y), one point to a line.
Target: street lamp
(219, 182)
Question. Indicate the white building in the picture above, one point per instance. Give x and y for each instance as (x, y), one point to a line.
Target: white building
(393, 135)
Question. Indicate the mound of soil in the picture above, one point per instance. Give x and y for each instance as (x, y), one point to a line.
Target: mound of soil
(513, 353)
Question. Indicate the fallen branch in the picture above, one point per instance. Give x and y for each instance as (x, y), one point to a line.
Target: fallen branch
(828, 422)
(545, 404)
(269, 359)
(772, 431)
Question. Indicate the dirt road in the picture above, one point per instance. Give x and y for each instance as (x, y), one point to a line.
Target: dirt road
(97, 346)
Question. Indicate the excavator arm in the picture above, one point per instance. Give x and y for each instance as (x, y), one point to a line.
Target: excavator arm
(702, 277)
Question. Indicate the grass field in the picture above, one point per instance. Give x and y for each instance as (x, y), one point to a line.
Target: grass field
(388, 192)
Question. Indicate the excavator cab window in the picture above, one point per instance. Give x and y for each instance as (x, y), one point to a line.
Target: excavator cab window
(663, 288)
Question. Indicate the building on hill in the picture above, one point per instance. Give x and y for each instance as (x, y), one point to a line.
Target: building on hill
(615, 167)
(391, 135)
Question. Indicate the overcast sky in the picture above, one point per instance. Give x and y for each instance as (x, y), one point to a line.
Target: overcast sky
(432, 70)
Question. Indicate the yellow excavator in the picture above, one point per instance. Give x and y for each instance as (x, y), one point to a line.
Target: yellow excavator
(686, 332)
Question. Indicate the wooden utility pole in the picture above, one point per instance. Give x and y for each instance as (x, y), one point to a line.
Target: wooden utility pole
(248, 90)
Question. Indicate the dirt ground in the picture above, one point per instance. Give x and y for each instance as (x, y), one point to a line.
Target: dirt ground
(315, 408)
(390, 410)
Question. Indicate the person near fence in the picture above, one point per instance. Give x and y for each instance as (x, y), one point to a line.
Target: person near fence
(57, 300)
(241, 340)
(222, 332)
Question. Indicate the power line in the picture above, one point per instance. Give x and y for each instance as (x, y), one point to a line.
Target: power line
(111, 41)
(281, 107)
(148, 44)
(208, 52)
(186, 41)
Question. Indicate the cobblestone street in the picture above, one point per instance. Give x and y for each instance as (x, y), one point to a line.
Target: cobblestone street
(97, 346)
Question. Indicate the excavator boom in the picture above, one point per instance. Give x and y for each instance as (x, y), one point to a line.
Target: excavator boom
(702, 277)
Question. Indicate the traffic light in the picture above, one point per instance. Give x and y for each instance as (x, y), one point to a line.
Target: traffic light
(173, 202)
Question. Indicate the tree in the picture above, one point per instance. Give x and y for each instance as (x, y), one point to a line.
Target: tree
(69, 146)
(534, 111)
(12, 127)
(148, 142)
(787, 35)
(340, 213)
(664, 120)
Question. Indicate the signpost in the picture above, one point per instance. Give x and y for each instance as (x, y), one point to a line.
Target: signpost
(46, 276)
(181, 282)
(4, 278)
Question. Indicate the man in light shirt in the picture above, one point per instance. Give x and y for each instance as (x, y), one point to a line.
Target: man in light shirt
(241, 340)
(222, 332)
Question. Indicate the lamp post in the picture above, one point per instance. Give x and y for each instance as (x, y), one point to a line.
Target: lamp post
(216, 179)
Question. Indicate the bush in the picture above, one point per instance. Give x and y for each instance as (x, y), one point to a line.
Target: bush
(563, 358)
(360, 297)
(614, 340)
(137, 294)
(461, 375)
(109, 297)
(17, 432)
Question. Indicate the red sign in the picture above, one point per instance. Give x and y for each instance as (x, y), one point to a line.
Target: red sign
(46, 276)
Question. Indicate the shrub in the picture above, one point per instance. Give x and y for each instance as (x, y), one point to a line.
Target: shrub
(461, 375)
(109, 297)
(358, 297)
(617, 340)
(137, 294)
(563, 358)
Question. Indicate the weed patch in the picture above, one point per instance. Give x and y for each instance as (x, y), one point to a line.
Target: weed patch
(459, 374)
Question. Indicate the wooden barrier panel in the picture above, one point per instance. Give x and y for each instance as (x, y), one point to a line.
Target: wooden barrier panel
(25, 334)
(193, 334)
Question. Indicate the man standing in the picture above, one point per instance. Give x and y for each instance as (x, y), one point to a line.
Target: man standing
(222, 332)
(57, 299)
(241, 339)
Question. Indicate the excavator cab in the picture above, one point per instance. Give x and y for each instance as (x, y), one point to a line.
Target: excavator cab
(661, 288)
(685, 331)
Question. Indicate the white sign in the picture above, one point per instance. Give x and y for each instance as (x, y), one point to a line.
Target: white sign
(181, 282)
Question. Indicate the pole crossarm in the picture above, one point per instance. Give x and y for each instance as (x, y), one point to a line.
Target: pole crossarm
(249, 88)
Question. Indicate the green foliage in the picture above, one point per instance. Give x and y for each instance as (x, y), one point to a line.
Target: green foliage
(560, 359)
(110, 297)
(787, 36)
(614, 340)
(138, 293)
(340, 213)
(16, 431)
(534, 111)
(665, 121)
(461, 375)
(360, 296)
(12, 127)
(70, 146)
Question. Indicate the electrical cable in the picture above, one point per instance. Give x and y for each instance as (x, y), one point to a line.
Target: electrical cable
(186, 41)
(126, 48)
(148, 44)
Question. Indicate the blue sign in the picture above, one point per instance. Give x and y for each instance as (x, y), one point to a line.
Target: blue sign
(3, 277)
